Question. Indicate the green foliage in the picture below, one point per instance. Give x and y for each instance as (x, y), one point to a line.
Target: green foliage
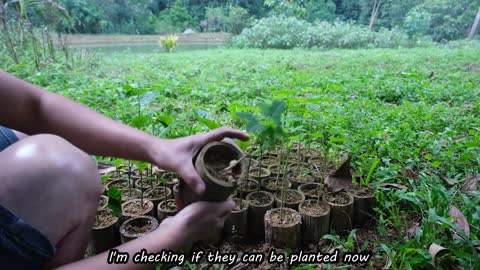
(287, 33)
(175, 19)
(169, 43)
(115, 200)
(374, 104)
(274, 32)
(450, 19)
(268, 128)
(226, 19)
(417, 23)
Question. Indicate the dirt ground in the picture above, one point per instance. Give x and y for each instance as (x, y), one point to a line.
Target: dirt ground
(90, 39)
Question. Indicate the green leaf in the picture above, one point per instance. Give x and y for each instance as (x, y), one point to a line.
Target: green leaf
(162, 180)
(253, 125)
(165, 120)
(274, 111)
(139, 121)
(148, 97)
(435, 164)
(118, 162)
(141, 165)
(465, 157)
(105, 178)
(115, 200)
(208, 123)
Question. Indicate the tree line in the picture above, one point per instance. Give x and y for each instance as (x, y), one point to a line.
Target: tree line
(441, 19)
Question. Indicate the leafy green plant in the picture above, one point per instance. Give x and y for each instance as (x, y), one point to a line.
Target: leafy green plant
(115, 200)
(169, 42)
(141, 165)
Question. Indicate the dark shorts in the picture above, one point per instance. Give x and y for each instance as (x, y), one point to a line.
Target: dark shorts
(21, 245)
(7, 138)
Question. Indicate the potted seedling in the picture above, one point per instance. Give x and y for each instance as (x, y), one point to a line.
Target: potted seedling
(138, 207)
(136, 227)
(105, 229)
(166, 207)
(267, 131)
(236, 224)
(340, 202)
(283, 224)
(315, 213)
(364, 197)
(157, 194)
(312, 190)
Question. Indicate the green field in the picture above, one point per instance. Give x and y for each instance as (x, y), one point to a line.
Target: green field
(416, 110)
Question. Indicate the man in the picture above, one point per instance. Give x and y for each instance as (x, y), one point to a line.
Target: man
(50, 187)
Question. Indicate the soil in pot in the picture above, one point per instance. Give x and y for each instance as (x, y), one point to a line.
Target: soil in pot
(315, 220)
(283, 228)
(341, 211)
(136, 227)
(273, 185)
(276, 170)
(172, 182)
(157, 195)
(267, 160)
(292, 198)
(247, 187)
(105, 231)
(260, 203)
(257, 174)
(312, 190)
(131, 194)
(317, 164)
(221, 166)
(166, 209)
(134, 208)
(236, 224)
(146, 184)
(310, 153)
(119, 184)
(102, 203)
(364, 201)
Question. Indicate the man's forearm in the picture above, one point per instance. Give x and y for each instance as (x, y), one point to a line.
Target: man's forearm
(32, 110)
(91, 131)
(164, 238)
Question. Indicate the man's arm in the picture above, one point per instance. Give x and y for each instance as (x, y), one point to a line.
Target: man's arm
(32, 110)
(196, 222)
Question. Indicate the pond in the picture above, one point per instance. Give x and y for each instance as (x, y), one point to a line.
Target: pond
(144, 47)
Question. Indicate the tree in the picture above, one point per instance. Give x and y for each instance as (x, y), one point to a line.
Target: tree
(475, 25)
(373, 16)
(450, 19)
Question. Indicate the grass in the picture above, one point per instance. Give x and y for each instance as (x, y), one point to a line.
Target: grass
(416, 110)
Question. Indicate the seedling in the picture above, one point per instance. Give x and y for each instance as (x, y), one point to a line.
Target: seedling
(115, 200)
(267, 129)
(141, 165)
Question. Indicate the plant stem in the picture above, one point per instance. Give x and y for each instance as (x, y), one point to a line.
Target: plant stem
(279, 166)
(260, 167)
(284, 180)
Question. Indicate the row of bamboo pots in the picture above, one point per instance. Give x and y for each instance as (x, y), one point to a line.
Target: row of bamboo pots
(304, 217)
(307, 211)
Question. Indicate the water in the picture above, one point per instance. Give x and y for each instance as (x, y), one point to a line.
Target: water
(145, 47)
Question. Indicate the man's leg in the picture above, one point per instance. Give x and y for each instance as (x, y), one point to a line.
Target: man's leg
(53, 186)
(19, 134)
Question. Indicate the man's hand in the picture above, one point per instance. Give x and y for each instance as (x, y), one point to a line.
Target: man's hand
(199, 220)
(177, 154)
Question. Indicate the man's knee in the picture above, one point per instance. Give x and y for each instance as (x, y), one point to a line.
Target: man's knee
(63, 164)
